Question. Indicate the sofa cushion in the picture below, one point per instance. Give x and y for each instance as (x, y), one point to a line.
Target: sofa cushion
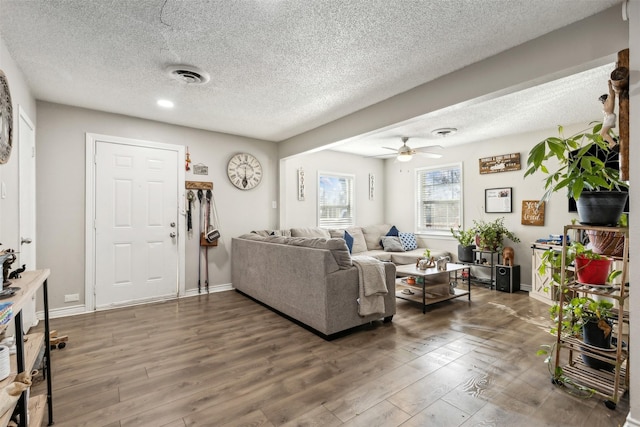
(310, 232)
(268, 238)
(337, 247)
(373, 233)
(359, 244)
(286, 233)
(392, 244)
(378, 254)
(408, 241)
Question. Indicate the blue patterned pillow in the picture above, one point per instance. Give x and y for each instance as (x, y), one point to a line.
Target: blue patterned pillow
(408, 240)
(349, 239)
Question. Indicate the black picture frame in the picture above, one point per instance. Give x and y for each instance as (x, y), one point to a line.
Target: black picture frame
(498, 200)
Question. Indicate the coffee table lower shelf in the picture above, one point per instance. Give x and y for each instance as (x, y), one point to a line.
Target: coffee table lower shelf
(440, 290)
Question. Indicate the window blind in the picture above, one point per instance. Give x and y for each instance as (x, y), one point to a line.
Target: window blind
(439, 198)
(335, 201)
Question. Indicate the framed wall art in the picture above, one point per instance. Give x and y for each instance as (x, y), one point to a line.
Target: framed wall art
(497, 200)
(301, 184)
(532, 212)
(372, 186)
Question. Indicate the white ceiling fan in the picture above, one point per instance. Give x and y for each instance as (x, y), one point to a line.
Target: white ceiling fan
(406, 153)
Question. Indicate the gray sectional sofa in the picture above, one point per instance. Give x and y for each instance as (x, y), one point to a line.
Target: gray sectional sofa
(308, 275)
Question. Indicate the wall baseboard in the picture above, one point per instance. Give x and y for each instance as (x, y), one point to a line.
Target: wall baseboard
(81, 309)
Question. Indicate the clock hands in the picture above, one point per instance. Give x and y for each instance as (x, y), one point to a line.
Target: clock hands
(245, 182)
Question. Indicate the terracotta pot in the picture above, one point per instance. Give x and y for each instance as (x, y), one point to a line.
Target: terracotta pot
(592, 271)
(606, 242)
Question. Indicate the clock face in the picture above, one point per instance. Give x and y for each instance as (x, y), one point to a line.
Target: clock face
(244, 171)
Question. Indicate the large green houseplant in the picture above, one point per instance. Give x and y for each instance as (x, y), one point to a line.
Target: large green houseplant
(583, 169)
(490, 234)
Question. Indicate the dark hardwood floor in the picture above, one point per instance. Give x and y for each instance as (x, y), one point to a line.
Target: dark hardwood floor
(224, 360)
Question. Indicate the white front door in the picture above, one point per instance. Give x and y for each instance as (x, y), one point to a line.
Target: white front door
(136, 223)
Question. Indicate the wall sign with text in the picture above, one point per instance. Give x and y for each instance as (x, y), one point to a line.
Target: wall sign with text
(532, 212)
(502, 163)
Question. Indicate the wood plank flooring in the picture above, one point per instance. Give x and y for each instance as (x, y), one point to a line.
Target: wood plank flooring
(224, 360)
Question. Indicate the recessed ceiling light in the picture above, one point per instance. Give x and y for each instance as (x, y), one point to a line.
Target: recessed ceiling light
(442, 132)
(165, 103)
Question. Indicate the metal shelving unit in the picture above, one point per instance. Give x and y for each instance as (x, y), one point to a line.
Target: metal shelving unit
(610, 385)
(492, 259)
(31, 412)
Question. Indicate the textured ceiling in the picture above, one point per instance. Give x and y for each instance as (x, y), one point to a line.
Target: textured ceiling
(279, 68)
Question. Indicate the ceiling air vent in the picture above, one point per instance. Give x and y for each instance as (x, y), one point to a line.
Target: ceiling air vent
(444, 132)
(188, 74)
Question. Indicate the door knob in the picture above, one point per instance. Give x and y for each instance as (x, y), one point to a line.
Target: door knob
(25, 241)
(173, 224)
(172, 234)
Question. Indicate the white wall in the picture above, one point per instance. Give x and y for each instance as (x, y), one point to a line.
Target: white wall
(297, 213)
(61, 190)
(20, 96)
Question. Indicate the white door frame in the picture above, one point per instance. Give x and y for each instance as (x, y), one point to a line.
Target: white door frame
(90, 177)
(27, 207)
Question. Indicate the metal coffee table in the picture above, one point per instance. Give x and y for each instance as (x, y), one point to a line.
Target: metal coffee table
(432, 278)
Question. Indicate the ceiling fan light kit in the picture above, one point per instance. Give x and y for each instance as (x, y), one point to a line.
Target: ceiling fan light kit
(405, 153)
(404, 157)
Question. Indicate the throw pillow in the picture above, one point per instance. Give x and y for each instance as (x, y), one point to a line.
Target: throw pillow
(349, 239)
(393, 231)
(392, 244)
(408, 240)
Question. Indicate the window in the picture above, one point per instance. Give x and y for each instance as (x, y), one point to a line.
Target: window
(439, 199)
(335, 200)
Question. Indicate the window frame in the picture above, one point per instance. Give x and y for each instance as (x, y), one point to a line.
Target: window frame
(352, 202)
(418, 200)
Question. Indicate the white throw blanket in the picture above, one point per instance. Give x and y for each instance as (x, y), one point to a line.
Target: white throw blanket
(372, 285)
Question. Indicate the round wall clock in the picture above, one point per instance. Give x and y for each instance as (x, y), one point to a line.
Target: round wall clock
(6, 119)
(244, 171)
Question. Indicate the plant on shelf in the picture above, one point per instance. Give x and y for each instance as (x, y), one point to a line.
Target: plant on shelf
(464, 237)
(466, 240)
(584, 170)
(579, 311)
(490, 235)
(589, 265)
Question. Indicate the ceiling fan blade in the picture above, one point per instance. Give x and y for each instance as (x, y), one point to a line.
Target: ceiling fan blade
(381, 156)
(429, 155)
(389, 148)
(429, 148)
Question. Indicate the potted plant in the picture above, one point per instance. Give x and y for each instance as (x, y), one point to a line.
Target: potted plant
(590, 268)
(466, 240)
(584, 170)
(589, 320)
(489, 235)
